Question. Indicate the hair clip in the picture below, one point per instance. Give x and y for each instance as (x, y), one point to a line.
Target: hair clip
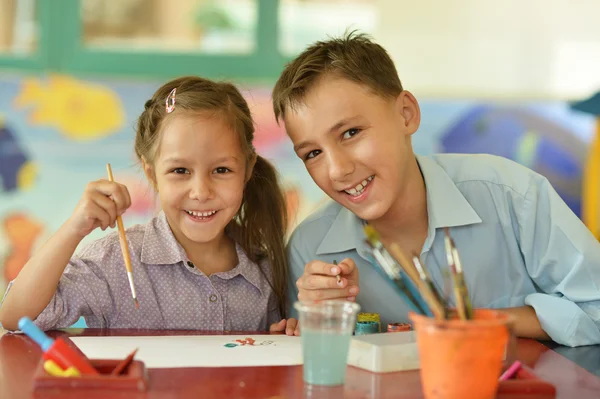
(170, 101)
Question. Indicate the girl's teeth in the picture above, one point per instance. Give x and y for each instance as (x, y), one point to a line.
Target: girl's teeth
(202, 214)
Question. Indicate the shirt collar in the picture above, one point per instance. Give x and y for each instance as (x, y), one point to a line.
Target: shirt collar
(160, 247)
(446, 207)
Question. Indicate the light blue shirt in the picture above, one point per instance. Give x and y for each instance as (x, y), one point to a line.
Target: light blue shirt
(519, 244)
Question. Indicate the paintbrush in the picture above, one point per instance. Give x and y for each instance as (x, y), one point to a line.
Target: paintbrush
(337, 276)
(394, 272)
(436, 302)
(411, 271)
(458, 283)
(124, 247)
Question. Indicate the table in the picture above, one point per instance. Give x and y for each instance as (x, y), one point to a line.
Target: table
(19, 357)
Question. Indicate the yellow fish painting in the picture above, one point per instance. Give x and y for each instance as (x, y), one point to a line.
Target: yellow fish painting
(79, 110)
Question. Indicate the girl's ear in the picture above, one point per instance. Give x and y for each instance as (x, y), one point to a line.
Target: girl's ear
(250, 167)
(150, 174)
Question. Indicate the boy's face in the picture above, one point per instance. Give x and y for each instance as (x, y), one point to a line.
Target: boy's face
(355, 144)
(200, 173)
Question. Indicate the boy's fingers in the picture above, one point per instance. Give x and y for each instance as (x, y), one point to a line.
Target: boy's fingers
(322, 294)
(348, 266)
(319, 267)
(317, 282)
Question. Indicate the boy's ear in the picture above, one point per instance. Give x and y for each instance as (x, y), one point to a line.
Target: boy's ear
(150, 174)
(250, 167)
(408, 106)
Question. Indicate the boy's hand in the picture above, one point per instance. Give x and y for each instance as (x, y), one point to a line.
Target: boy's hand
(101, 203)
(290, 326)
(319, 281)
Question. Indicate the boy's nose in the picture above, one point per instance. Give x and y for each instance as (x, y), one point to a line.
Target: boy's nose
(340, 166)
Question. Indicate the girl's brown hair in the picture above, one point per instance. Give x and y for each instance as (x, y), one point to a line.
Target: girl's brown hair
(261, 223)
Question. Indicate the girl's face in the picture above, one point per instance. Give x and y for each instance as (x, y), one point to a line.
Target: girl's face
(199, 172)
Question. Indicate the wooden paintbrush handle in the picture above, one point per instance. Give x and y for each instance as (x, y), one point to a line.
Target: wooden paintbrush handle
(124, 246)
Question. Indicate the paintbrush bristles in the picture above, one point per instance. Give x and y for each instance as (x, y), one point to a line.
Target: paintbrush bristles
(372, 235)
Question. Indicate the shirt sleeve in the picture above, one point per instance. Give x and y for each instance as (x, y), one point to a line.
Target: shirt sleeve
(563, 259)
(82, 291)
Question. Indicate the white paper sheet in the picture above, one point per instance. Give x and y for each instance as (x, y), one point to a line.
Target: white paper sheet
(197, 350)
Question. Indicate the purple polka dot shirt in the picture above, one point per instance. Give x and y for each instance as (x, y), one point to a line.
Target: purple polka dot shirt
(172, 292)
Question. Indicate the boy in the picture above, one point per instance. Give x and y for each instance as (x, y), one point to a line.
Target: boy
(522, 249)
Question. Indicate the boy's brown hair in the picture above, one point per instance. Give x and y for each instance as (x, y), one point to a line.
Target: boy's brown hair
(354, 57)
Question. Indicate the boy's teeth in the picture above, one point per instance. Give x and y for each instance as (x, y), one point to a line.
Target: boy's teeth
(359, 188)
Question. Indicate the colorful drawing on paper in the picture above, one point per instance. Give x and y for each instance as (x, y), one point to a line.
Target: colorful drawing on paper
(249, 342)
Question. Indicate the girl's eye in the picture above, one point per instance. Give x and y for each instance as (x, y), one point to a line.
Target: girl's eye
(222, 169)
(312, 154)
(180, 171)
(350, 133)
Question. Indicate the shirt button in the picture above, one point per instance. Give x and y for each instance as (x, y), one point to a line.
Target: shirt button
(213, 298)
(190, 264)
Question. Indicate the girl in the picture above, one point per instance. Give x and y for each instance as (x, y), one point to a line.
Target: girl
(213, 258)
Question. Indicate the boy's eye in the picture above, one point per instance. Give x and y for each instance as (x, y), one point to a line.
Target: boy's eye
(350, 132)
(180, 171)
(222, 169)
(312, 154)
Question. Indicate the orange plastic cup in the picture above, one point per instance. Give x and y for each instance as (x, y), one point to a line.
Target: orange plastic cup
(462, 358)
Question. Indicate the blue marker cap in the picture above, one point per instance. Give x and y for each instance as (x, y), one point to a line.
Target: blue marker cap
(33, 332)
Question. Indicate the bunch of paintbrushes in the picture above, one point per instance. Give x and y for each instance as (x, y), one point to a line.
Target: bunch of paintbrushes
(413, 281)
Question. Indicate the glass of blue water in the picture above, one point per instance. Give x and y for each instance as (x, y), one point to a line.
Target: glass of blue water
(326, 329)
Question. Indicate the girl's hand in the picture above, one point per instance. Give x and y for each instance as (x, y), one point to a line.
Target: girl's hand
(290, 326)
(101, 203)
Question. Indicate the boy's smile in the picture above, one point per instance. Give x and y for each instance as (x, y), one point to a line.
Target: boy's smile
(356, 145)
(359, 192)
